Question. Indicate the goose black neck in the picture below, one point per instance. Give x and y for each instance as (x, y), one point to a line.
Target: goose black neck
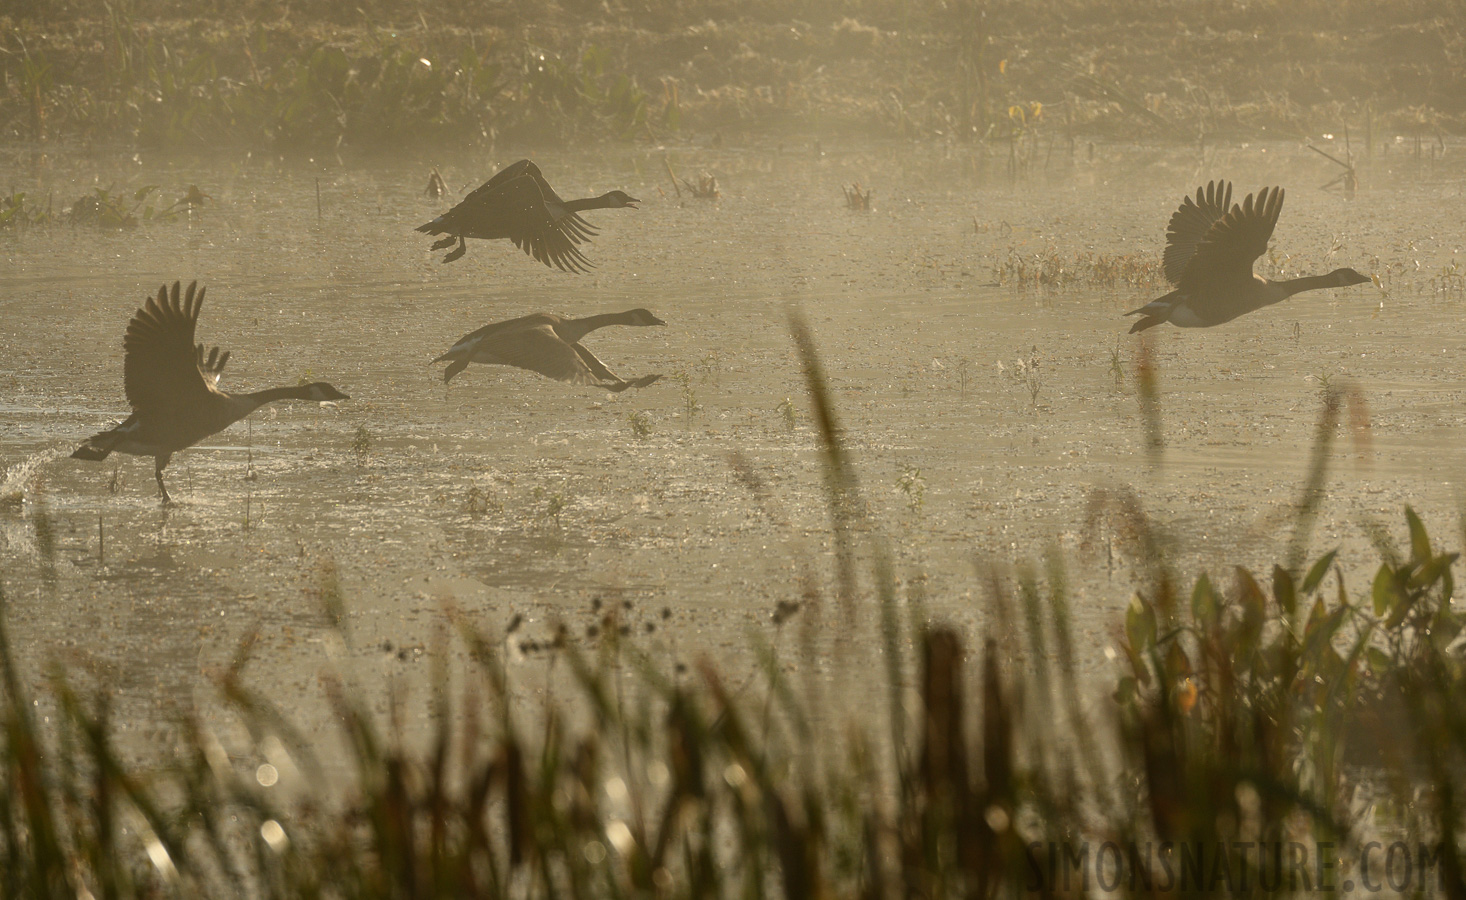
(1308, 283)
(575, 329)
(270, 395)
(604, 201)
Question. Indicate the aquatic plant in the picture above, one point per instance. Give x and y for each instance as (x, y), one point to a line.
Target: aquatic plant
(1051, 270)
(641, 423)
(362, 443)
(913, 486)
(18, 212)
(1233, 714)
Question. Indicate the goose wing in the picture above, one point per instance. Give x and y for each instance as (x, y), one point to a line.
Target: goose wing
(482, 193)
(538, 349)
(1235, 241)
(577, 228)
(533, 228)
(212, 366)
(161, 368)
(597, 368)
(516, 209)
(1190, 224)
(470, 340)
(512, 171)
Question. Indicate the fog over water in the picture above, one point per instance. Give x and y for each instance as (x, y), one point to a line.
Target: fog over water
(982, 415)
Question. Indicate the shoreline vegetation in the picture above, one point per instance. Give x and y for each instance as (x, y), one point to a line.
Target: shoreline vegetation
(310, 77)
(1270, 734)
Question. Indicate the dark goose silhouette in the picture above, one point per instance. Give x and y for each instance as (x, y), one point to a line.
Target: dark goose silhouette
(547, 344)
(173, 386)
(1211, 245)
(518, 204)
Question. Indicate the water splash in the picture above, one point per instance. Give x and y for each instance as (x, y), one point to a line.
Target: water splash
(21, 478)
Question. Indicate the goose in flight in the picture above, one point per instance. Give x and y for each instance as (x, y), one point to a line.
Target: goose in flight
(547, 344)
(518, 204)
(1211, 245)
(173, 386)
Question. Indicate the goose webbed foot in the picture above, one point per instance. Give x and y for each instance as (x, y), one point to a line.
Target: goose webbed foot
(454, 367)
(445, 242)
(462, 249)
(619, 386)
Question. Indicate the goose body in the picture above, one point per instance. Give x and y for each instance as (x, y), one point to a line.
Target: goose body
(173, 386)
(1211, 245)
(547, 344)
(520, 206)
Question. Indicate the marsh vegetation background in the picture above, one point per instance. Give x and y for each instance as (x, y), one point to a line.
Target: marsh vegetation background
(913, 560)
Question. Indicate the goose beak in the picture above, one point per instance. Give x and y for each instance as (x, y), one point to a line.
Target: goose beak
(632, 201)
(656, 321)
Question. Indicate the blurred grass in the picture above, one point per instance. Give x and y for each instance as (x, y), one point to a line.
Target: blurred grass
(1247, 713)
(315, 76)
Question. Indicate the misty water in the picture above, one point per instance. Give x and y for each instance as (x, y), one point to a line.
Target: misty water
(982, 418)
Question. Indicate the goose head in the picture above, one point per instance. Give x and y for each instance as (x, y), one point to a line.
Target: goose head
(322, 392)
(619, 199)
(643, 317)
(1346, 277)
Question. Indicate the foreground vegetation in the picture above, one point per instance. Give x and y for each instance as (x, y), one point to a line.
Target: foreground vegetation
(316, 76)
(1254, 714)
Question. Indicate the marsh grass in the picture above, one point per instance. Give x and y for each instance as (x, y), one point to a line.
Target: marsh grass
(1248, 711)
(1048, 269)
(318, 77)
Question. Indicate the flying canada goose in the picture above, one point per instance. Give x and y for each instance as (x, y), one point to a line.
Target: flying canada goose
(1211, 245)
(520, 205)
(173, 386)
(547, 344)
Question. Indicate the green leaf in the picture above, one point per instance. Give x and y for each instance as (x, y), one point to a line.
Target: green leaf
(1178, 664)
(1126, 690)
(1140, 625)
(1253, 612)
(1315, 615)
(1379, 660)
(1385, 595)
(1283, 591)
(1419, 540)
(1435, 569)
(1204, 601)
(1319, 642)
(1320, 568)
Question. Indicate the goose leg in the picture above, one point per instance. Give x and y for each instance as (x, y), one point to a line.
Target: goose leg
(462, 249)
(454, 367)
(160, 464)
(445, 242)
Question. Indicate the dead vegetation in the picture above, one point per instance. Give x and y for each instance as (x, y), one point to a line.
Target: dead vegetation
(1050, 269)
(168, 74)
